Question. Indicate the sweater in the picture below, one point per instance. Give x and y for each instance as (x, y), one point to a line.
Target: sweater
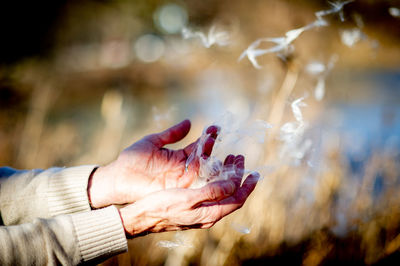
(47, 220)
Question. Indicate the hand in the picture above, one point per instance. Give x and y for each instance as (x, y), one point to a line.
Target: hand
(180, 208)
(146, 166)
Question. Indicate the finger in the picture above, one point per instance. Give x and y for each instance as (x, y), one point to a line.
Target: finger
(191, 147)
(192, 172)
(170, 135)
(206, 152)
(243, 192)
(247, 187)
(192, 161)
(213, 192)
(213, 131)
(229, 159)
(215, 212)
(207, 147)
(229, 170)
(239, 165)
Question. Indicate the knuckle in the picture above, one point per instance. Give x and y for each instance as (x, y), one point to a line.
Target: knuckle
(212, 192)
(153, 138)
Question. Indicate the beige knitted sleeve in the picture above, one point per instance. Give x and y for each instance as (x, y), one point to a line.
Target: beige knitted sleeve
(66, 239)
(81, 236)
(26, 195)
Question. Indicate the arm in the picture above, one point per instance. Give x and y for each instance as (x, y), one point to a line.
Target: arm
(181, 209)
(99, 234)
(143, 168)
(146, 173)
(65, 239)
(91, 236)
(26, 195)
(69, 239)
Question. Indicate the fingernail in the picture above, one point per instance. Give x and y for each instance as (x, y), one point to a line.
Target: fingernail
(213, 131)
(229, 188)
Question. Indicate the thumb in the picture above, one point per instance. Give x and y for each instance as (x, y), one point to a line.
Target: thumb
(214, 191)
(170, 135)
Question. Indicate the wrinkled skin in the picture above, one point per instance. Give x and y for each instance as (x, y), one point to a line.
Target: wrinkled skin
(146, 166)
(180, 208)
(153, 183)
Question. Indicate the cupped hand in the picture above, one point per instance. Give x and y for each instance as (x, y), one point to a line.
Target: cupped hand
(180, 208)
(146, 166)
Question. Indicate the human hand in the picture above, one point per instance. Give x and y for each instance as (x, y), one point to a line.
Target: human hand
(146, 166)
(180, 208)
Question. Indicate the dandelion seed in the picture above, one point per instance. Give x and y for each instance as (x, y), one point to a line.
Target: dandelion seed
(179, 241)
(296, 109)
(283, 45)
(337, 7)
(293, 146)
(293, 35)
(320, 70)
(351, 37)
(332, 61)
(319, 91)
(168, 244)
(394, 12)
(289, 128)
(320, 22)
(292, 135)
(221, 38)
(241, 228)
(197, 151)
(359, 21)
(162, 117)
(252, 52)
(303, 149)
(237, 135)
(315, 68)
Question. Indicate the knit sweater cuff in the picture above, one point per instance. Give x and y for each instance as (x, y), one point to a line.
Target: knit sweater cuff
(67, 190)
(100, 233)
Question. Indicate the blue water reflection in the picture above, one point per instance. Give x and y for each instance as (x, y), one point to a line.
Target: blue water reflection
(367, 122)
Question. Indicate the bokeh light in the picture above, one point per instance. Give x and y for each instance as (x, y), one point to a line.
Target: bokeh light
(170, 18)
(149, 48)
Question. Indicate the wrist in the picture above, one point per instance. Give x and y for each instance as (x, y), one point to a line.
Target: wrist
(136, 221)
(98, 190)
(90, 189)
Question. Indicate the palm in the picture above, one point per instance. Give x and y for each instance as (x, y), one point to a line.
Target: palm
(146, 166)
(151, 168)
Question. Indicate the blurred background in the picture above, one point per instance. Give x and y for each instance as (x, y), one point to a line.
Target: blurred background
(81, 80)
